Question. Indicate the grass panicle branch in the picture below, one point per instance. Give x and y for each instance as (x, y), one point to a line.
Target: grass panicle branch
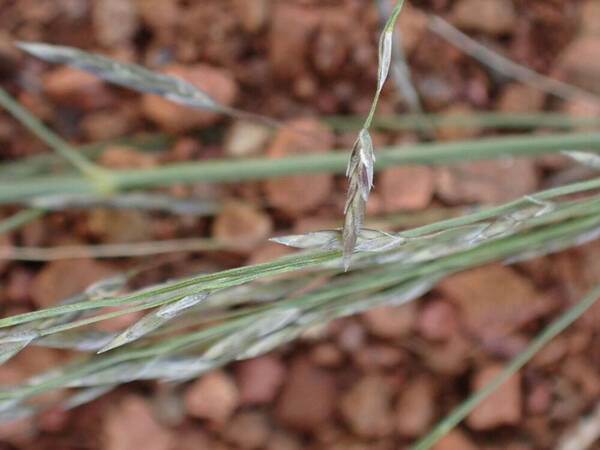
(360, 167)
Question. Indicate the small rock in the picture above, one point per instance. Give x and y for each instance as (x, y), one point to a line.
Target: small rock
(132, 425)
(297, 194)
(162, 16)
(115, 22)
(490, 312)
(331, 44)
(590, 17)
(218, 83)
(76, 88)
(518, 98)
(253, 15)
(438, 320)
(120, 225)
(486, 181)
(105, 125)
(326, 355)
(366, 407)
(59, 279)
(552, 353)
(53, 420)
(246, 138)
(391, 322)
(376, 356)
(194, 439)
(580, 62)
(213, 397)
(259, 379)
(501, 407)
(415, 408)
(449, 357)
(582, 108)
(281, 440)
(308, 397)
(539, 399)
(351, 336)
(248, 430)
(455, 440)
(407, 187)
(292, 27)
(489, 16)
(241, 226)
(412, 24)
(584, 375)
(268, 252)
(449, 132)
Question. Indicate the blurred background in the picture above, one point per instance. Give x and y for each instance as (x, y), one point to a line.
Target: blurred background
(373, 381)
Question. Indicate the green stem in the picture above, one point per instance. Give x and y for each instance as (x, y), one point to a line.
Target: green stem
(101, 177)
(556, 327)
(332, 162)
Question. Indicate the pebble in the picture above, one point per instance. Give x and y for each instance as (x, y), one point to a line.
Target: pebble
(455, 440)
(218, 83)
(489, 16)
(283, 440)
(416, 407)
(213, 397)
(253, 15)
(242, 226)
(590, 17)
(248, 430)
(194, 439)
(59, 279)
(245, 138)
(259, 379)
(520, 99)
(132, 425)
(326, 355)
(412, 24)
(308, 398)
(580, 62)
(501, 407)
(295, 195)
(491, 313)
(391, 322)
(291, 29)
(76, 88)
(115, 21)
(408, 187)
(331, 44)
(366, 406)
(376, 356)
(486, 181)
(438, 320)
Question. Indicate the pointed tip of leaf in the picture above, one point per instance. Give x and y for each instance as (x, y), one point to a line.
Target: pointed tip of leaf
(118, 341)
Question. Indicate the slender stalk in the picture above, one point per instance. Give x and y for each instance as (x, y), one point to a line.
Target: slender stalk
(100, 176)
(46, 162)
(109, 250)
(556, 327)
(332, 162)
(504, 65)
